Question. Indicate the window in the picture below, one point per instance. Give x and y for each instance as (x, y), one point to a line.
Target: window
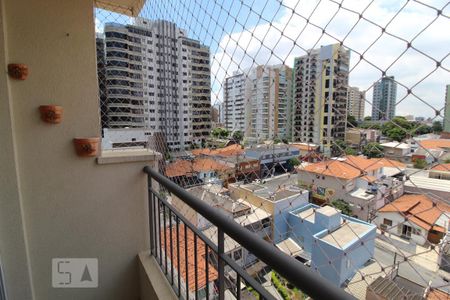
(406, 231)
(386, 224)
(237, 255)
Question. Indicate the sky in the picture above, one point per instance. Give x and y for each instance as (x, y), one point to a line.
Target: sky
(243, 34)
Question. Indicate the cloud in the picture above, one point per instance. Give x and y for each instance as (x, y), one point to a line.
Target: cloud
(380, 37)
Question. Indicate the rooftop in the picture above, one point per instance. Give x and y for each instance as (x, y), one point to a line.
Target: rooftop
(272, 147)
(276, 188)
(217, 200)
(304, 146)
(396, 145)
(253, 216)
(351, 167)
(435, 143)
(345, 234)
(229, 243)
(231, 150)
(441, 167)
(170, 242)
(420, 210)
(188, 167)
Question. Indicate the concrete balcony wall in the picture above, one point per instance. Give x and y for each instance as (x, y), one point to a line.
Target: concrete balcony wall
(54, 203)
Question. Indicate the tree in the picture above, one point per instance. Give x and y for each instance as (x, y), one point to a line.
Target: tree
(373, 150)
(437, 127)
(397, 128)
(238, 136)
(276, 140)
(351, 121)
(368, 118)
(350, 151)
(293, 162)
(420, 163)
(343, 206)
(338, 147)
(220, 133)
(420, 129)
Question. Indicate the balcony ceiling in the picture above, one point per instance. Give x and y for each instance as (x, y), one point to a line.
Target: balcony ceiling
(126, 7)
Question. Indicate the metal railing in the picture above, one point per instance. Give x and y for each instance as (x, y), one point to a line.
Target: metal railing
(164, 219)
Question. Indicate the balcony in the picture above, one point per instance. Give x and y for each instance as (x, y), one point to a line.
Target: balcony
(178, 245)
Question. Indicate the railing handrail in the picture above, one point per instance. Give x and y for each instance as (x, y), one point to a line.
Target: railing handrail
(292, 270)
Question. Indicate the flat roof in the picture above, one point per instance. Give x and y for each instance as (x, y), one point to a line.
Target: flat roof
(229, 243)
(346, 233)
(256, 215)
(307, 214)
(276, 188)
(396, 145)
(361, 194)
(328, 210)
(289, 247)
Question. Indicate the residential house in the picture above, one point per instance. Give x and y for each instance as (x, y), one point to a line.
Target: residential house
(277, 196)
(337, 245)
(397, 151)
(441, 171)
(242, 212)
(432, 150)
(230, 150)
(415, 217)
(308, 152)
(272, 157)
(245, 168)
(366, 184)
(198, 171)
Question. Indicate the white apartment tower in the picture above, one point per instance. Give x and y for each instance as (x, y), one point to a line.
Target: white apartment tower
(234, 104)
(356, 102)
(158, 80)
(384, 98)
(320, 96)
(268, 99)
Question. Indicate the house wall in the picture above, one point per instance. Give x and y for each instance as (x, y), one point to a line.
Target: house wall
(302, 232)
(281, 214)
(344, 262)
(53, 203)
(237, 192)
(397, 222)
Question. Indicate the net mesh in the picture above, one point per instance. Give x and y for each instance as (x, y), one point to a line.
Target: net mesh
(319, 125)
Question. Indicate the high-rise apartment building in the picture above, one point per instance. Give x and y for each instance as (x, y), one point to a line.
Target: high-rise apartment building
(157, 79)
(320, 96)
(356, 102)
(234, 104)
(384, 98)
(447, 109)
(268, 99)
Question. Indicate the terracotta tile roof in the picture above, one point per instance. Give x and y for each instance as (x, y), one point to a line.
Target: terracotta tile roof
(438, 295)
(235, 149)
(303, 147)
(201, 261)
(351, 167)
(209, 164)
(419, 209)
(441, 167)
(187, 167)
(179, 168)
(435, 144)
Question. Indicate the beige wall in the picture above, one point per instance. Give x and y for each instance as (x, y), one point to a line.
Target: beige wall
(53, 203)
